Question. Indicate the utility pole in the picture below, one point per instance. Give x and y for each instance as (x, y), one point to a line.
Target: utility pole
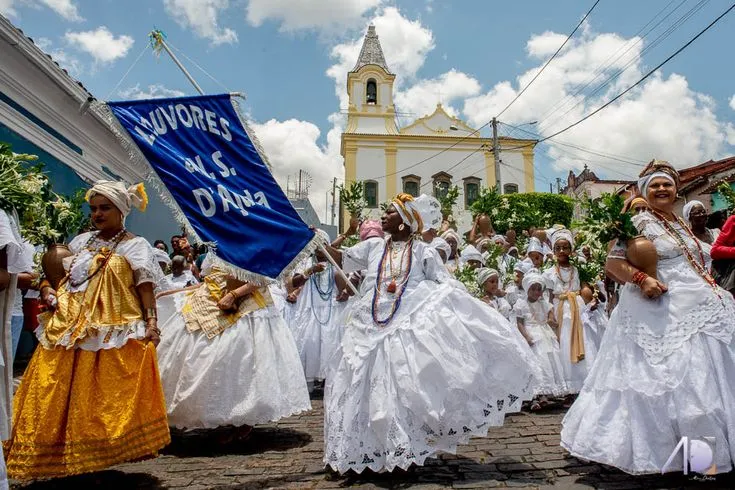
(334, 196)
(558, 185)
(551, 188)
(496, 156)
(299, 191)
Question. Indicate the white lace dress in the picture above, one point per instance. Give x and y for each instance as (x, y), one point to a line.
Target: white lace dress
(545, 345)
(247, 375)
(666, 369)
(447, 367)
(574, 372)
(316, 322)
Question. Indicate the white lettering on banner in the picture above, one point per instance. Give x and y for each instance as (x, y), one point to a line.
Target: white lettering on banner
(228, 199)
(209, 208)
(163, 119)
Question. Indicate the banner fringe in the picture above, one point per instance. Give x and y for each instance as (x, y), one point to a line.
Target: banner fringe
(251, 134)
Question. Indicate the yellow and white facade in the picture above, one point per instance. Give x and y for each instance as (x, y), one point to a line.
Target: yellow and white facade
(437, 150)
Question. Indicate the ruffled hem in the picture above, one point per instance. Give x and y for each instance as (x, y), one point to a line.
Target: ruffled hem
(96, 337)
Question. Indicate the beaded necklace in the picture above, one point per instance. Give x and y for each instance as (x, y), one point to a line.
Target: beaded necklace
(400, 290)
(566, 284)
(698, 266)
(325, 295)
(96, 245)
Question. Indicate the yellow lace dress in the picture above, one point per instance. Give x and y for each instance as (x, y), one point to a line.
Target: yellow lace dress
(91, 396)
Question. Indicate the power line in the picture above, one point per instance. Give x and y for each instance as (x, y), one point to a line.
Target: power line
(550, 59)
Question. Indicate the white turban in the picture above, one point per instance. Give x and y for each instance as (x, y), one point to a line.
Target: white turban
(451, 234)
(688, 207)
(470, 253)
(523, 266)
(644, 181)
(323, 235)
(499, 239)
(161, 256)
(441, 244)
(431, 212)
(534, 245)
(481, 242)
(562, 234)
(407, 209)
(124, 198)
(532, 278)
(484, 274)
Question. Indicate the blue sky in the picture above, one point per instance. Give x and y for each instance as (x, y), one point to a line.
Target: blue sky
(475, 53)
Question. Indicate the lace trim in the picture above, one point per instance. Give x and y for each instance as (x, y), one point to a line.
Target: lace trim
(658, 347)
(96, 337)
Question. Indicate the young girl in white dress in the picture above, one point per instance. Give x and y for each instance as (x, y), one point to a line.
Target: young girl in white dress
(488, 280)
(576, 338)
(535, 318)
(423, 365)
(666, 366)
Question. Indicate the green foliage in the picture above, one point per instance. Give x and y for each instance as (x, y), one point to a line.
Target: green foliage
(590, 271)
(447, 200)
(728, 194)
(523, 211)
(21, 181)
(353, 198)
(468, 276)
(605, 220)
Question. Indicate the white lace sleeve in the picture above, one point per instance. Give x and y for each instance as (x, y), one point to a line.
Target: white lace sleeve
(434, 268)
(139, 254)
(648, 225)
(357, 258)
(520, 310)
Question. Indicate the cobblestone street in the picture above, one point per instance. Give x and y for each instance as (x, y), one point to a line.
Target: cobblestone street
(525, 453)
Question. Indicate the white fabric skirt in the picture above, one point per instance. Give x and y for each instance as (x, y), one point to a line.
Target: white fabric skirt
(448, 367)
(546, 349)
(576, 372)
(249, 374)
(633, 411)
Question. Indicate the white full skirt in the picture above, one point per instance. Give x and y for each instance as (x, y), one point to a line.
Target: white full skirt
(546, 349)
(249, 374)
(576, 372)
(635, 408)
(448, 367)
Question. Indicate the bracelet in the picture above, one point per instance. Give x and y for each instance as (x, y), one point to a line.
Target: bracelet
(234, 295)
(639, 277)
(155, 330)
(150, 314)
(44, 284)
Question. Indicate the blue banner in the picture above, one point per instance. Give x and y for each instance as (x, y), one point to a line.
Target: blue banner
(203, 155)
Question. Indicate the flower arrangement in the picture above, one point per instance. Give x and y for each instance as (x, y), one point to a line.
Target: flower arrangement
(605, 220)
(21, 181)
(468, 277)
(728, 194)
(353, 198)
(447, 199)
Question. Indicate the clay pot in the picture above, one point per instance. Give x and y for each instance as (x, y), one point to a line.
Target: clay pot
(52, 263)
(642, 254)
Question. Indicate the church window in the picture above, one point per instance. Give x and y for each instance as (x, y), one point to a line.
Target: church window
(371, 92)
(412, 185)
(442, 183)
(371, 193)
(510, 189)
(471, 191)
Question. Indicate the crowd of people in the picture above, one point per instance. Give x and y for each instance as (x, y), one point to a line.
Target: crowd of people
(418, 337)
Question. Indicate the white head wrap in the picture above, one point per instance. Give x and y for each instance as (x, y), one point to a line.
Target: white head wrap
(161, 256)
(408, 211)
(500, 240)
(534, 245)
(451, 234)
(532, 278)
(523, 266)
(484, 274)
(644, 181)
(323, 235)
(124, 198)
(479, 244)
(688, 207)
(562, 234)
(430, 211)
(441, 244)
(470, 253)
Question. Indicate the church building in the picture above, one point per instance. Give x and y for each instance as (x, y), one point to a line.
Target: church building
(428, 156)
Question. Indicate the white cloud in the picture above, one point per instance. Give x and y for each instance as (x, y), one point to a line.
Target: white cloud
(732, 102)
(65, 60)
(662, 118)
(327, 15)
(421, 97)
(292, 145)
(101, 44)
(203, 17)
(154, 91)
(65, 8)
(6, 8)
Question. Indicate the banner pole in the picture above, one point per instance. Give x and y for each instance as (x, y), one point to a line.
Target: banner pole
(339, 269)
(181, 67)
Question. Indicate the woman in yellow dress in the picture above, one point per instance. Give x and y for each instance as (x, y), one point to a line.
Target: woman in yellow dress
(91, 396)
